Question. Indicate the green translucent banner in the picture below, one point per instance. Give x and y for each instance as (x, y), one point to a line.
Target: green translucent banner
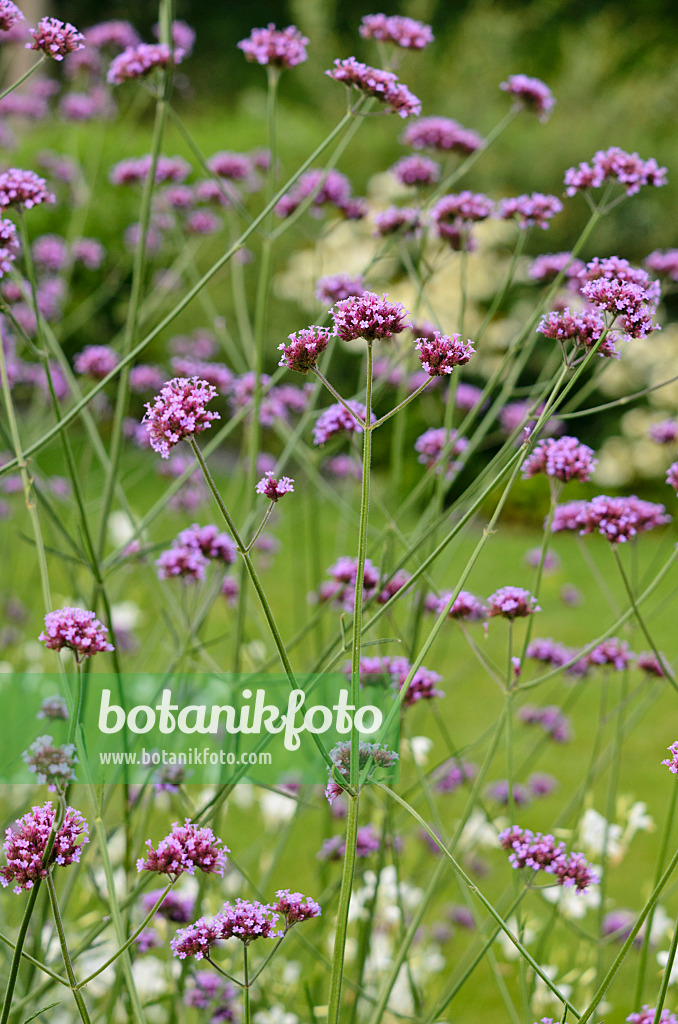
(171, 729)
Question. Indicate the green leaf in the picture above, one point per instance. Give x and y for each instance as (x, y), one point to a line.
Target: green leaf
(37, 1013)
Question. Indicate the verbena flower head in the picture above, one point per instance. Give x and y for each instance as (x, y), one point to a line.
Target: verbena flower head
(115, 34)
(672, 476)
(442, 134)
(437, 444)
(611, 653)
(405, 220)
(416, 170)
(672, 762)
(295, 907)
(649, 663)
(26, 842)
(440, 355)
(465, 606)
(186, 848)
(648, 1015)
(584, 329)
(564, 458)
(368, 316)
(141, 60)
(178, 412)
(550, 718)
(55, 38)
(306, 347)
(195, 940)
(96, 361)
(536, 209)
(615, 164)
(547, 266)
(76, 629)
(530, 94)
(335, 287)
(183, 36)
(341, 586)
(210, 541)
(336, 419)
(383, 85)
(368, 841)
(9, 245)
(273, 488)
(463, 206)
(53, 707)
(454, 774)
(182, 560)
(619, 519)
(405, 32)
(282, 48)
(208, 991)
(51, 764)
(512, 603)
(247, 920)
(542, 853)
(368, 753)
(322, 187)
(9, 15)
(23, 188)
(623, 291)
(664, 261)
(665, 432)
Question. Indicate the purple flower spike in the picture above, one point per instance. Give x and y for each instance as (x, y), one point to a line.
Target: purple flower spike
(139, 61)
(336, 419)
(383, 85)
(564, 458)
(23, 188)
(542, 853)
(9, 15)
(512, 603)
(536, 209)
(307, 345)
(405, 32)
(530, 94)
(442, 134)
(281, 48)
(615, 164)
(368, 316)
(440, 355)
(295, 907)
(273, 488)
(179, 412)
(186, 848)
(56, 38)
(76, 629)
(26, 841)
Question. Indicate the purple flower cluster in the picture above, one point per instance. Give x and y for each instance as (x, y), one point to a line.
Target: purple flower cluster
(341, 586)
(368, 841)
(307, 345)
(623, 291)
(322, 188)
(547, 267)
(405, 32)
(23, 188)
(273, 488)
(192, 550)
(416, 170)
(53, 707)
(186, 848)
(136, 170)
(295, 907)
(76, 629)
(664, 262)
(617, 519)
(611, 653)
(115, 35)
(672, 762)
(454, 774)
(51, 764)
(139, 60)
(179, 411)
(543, 853)
(281, 48)
(564, 458)
(530, 210)
(549, 652)
(530, 94)
(383, 85)
(615, 164)
(9, 15)
(55, 38)
(26, 843)
(96, 361)
(335, 287)
(394, 672)
(454, 214)
(512, 603)
(585, 329)
(550, 718)
(439, 355)
(208, 991)
(665, 432)
(433, 443)
(174, 907)
(336, 419)
(648, 1015)
(465, 606)
(368, 316)
(397, 219)
(9, 246)
(441, 134)
(375, 754)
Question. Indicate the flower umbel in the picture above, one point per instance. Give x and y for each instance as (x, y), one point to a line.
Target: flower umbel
(179, 412)
(26, 843)
(76, 629)
(186, 848)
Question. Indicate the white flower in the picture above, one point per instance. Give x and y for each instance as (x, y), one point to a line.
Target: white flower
(662, 925)
(596, 835)
(662, 960)
(126, 615)
(419, 748)
(120, 528)
(572, 903)
(276, 1014)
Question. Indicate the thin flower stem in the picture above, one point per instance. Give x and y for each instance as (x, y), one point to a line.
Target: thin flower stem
(666, 979)
(336, 975)
(267, 961)
(77, 995)
(262, 524)
(401, 405)
(662, 661)
(224, 973)
(18, 951)
(246, 986)
(132, 938)
(473, 888)
(323, 380)
(26, 74)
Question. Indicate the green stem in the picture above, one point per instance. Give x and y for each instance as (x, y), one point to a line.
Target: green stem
(666, 980)
(661, 660)
(336, 976)
(27, 74)
(77, 995)
(246, 986)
